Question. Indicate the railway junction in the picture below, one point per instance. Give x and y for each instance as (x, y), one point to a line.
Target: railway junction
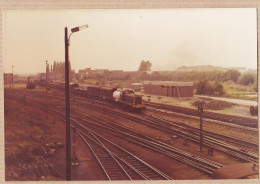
(163, 142)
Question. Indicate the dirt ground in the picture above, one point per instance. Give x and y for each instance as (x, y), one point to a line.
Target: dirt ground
(45, 130)
(237, 110)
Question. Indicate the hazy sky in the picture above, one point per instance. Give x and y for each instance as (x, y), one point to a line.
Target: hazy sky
(121, 39)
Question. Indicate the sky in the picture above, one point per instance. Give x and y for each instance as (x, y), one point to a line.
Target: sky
(119, 39)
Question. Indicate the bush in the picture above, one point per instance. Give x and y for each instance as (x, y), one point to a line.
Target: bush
(200, 87)
(204, 87)
(30, 85)
(255, 86)
(209, 89)
(218, 89)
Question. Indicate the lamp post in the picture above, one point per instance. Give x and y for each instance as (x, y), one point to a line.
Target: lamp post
(67, 98)
(46, 89)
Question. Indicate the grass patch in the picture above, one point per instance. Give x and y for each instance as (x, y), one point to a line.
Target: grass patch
(233, 90)
(19, 125)
(24, 89)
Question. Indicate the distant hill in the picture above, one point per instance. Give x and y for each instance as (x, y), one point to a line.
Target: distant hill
(208, 68)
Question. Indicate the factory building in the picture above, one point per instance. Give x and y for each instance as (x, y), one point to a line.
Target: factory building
(169, 88)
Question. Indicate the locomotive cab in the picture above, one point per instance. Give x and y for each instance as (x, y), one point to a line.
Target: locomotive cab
(127, 98)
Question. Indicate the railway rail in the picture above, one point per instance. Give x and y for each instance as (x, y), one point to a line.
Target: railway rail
(243, 121)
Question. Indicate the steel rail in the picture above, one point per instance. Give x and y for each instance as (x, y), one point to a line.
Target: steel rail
(161, 147)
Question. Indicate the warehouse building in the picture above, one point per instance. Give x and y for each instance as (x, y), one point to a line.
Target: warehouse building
(169, 88)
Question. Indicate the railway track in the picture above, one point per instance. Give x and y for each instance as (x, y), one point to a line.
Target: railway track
(123, 164)
(100, 105)
(116, 162)
(195, 130)
(95, 123)
(243, 121)
(104, 125)
(210, 141)
(154, 145)
(237, 120)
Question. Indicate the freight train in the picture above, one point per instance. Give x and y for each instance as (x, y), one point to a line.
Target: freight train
(123, 97)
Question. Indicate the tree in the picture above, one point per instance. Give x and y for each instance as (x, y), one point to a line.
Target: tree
(204, 87)
(255, 86)
(145, 66)
(200, 87)
(155, 76)
(209, 89)
(246, 79)
(218, 88)
(231, 74)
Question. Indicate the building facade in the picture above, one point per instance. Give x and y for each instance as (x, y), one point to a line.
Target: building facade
(169, 88)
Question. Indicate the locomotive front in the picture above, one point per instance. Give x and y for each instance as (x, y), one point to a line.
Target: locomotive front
(130, 100)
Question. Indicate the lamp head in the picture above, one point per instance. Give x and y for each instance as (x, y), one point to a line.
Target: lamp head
(79, 28)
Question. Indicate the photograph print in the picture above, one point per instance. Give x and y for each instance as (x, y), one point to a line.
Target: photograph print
(130, 94)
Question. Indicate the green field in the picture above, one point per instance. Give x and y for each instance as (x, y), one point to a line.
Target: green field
(22, 86)
(233, 90)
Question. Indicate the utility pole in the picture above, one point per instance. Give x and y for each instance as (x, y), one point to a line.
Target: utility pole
(74, 145)
(200, 111)
(46, 89)
(67, 102)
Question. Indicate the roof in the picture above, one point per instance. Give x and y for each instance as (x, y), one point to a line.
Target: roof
(169, 83)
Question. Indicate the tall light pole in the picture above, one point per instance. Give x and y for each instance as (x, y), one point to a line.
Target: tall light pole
(46, 89)
(67, 98)
(12, 77)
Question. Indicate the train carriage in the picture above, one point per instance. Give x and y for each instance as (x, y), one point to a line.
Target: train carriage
(80, 92)
(107, 93)
(94, 91)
